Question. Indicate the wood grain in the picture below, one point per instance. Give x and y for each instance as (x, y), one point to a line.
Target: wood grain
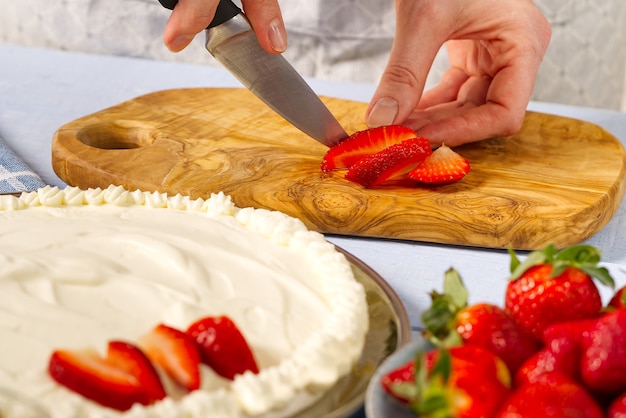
(558, 180)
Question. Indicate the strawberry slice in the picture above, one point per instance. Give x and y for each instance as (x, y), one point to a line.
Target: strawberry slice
(392, 162)
(442, 167)
(176, 353)
(222, 346)
(119, 380)
(363, 143)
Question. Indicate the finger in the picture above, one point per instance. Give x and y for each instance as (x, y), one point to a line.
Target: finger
(505, 101)
(467, 123)
(188, 18)
(446, 91)
(468, 119)
(487, 109)
(267, 21)
(415, 46)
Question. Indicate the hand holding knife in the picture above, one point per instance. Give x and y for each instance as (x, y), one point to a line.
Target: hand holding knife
(231, 40)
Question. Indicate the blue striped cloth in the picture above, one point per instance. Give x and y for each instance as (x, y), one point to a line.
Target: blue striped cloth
(15, 175)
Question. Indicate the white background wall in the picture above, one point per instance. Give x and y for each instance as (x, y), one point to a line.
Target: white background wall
(336, 39)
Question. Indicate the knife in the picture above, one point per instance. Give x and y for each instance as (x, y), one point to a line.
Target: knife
(231, 40)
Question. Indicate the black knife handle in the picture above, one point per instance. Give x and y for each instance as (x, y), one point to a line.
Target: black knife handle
(226, 10)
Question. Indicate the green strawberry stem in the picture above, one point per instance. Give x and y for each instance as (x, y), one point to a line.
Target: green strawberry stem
(582, 257)
(431, 399)
(439, 319)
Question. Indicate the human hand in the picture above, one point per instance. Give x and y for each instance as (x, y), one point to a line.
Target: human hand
(495, 48)
(191, 17)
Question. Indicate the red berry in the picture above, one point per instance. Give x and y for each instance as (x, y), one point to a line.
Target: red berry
(222, 346)
(363, 143)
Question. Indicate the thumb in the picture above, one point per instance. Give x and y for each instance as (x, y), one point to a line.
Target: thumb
(188, 18)
(412, 54)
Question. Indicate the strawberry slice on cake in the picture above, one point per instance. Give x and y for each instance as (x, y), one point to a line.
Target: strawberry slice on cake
(176, 353)
(123, 377)
(222, 346)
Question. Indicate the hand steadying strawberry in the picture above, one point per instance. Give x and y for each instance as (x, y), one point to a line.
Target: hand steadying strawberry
(553, 286)
(462, 382)
(119, 380)
(451, 321)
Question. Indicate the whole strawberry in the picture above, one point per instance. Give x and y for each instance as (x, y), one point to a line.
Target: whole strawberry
(603, 363)
(451, 321)
(617, 408)
(561, 353)
(619, 299)
(461, 382)
(553, 286)
(550, 396)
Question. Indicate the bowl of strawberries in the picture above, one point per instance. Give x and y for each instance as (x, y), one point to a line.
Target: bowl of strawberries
(552, 348)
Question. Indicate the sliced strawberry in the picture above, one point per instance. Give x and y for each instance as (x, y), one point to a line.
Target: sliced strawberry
(442, 167)
(222, 346)
(133, 360)
(119, 380)
(176, 353)
(392, 162)
(363, 143)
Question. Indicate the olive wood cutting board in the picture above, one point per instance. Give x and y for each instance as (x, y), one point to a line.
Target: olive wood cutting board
(558, 180)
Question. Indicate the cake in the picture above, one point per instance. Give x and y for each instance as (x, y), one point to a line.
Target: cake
(83, 267)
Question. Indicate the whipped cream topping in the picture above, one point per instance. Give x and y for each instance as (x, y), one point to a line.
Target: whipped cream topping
(82, 267)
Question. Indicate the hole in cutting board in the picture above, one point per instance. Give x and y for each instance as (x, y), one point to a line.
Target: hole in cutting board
(120, 134)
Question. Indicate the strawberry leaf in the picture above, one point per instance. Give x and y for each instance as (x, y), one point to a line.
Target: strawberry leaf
(431, 399)
(404, 390)
(601, 274)
(440, 318)
(533, 259)
(514, 261)
(454, 287)
(582, 257)
(585, 258)
(558, 267)
(580, 254)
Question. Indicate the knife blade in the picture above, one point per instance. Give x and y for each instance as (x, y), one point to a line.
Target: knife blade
(231, 40)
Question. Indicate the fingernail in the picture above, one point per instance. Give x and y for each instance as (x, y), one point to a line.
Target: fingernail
(178, 44)
(383, 113)
(277, 36)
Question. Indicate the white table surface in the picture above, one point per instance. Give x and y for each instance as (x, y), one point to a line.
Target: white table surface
(40, 90)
